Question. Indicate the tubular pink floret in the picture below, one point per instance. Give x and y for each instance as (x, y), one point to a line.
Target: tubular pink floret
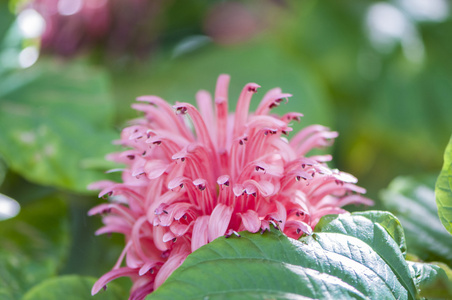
(201, 130)
(307, 131)
(272, 99)
(184, 186)
(204, 102)
(168, 110)
(243, 105)
(319, 139)
(292, 116)
(221, 109)
(113, 274)
(270, 124)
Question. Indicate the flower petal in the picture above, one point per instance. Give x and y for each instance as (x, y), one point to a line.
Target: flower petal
(176, 258)
(158, 233)
(155, 168)
(243, 105)
(109, 276)
(200, 232)
(219, 221)
(146, 267)
(280, 215)
(221, 109)
(299, 226)
(251, 221)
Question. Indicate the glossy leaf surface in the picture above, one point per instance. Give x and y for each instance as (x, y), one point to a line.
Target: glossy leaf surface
(326, 265)
(55, 120)
(412, 200)
(444, 190)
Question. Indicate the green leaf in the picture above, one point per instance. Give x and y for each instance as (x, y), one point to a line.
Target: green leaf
(443, 190)
(412, 200)
(375, 228)
(71, 287)
(344, 225)
(56, 121)
(34, 245)
(433, 281)
(326, 265)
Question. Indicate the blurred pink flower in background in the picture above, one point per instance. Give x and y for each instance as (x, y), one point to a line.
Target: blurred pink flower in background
(193, 175)
(119, 26)
(236, 22)
(134, 28)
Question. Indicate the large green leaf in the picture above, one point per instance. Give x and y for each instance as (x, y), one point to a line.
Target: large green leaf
(338, 262)
(434, 281)
(34, 245)
(381, 231)
(71, 287)
(360, 226)
(56, 121)
(443, 190)
(413, 202)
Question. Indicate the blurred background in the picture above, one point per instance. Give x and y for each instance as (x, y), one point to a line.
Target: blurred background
(378, 72)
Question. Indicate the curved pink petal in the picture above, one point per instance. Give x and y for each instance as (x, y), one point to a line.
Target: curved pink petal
(169, 112)
(280, 215)
(204, 102)
(100, 209)
(99, 185)
(155, 168)
(271, 99)
(238, 189)
(176, 258)
(265, 188)
(179, 229)
(158, 233)
(169, 213)
(147, 266)
(299, 226)
(142, 287)
(325, 211)
(168, 236)
(292, 116)
(251, 221)
(269, 123)
(200, 232)
(219, 221)
(243, 104)
(113, 274)
(113, 228)
(202, 133)
(318, 140)
(354, 199)
(221, 109)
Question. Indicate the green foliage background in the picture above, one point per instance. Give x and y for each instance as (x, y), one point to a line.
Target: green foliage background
(59, 117)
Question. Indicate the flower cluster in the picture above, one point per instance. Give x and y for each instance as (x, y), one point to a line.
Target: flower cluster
(193, 175)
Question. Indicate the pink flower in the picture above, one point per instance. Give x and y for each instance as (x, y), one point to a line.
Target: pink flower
(194, 175)
(114, 26)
